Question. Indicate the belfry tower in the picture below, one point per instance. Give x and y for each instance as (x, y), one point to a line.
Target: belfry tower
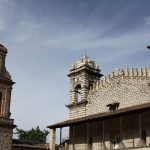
(83, 74)
(6, 124)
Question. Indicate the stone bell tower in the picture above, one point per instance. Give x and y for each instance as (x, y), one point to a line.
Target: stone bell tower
(6, 124)
(83, 74)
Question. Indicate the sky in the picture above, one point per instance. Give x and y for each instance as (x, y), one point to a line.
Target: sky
(45, 37)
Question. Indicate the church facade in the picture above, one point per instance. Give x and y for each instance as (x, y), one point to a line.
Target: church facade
(113, 113)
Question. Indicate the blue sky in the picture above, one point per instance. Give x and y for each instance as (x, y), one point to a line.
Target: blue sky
(45, 37)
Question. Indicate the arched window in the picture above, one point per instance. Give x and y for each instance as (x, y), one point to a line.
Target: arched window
(78, 92)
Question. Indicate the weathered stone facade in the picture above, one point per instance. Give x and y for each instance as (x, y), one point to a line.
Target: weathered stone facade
(113, 113)
(83, 74)
(6, 124)
(5, 137)
(125, 87)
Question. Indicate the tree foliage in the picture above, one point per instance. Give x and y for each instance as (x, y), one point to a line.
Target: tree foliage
(35, 135)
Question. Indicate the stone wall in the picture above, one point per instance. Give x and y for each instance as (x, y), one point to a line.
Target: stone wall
(77, 112)
(6, 130)
(5, 138)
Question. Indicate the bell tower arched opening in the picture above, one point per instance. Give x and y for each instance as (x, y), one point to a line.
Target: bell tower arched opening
(78, 92)
(83, 74)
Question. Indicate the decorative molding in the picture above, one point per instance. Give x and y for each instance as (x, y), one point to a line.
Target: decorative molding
(121, 73)
(83, 102)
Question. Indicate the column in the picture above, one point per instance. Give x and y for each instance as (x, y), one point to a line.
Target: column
(66, 146)
(121, 144)
(7, 102)
(103, 124)
(141, 142)
(85, 86)
(60, 137)
(73, 137)
(103, 146)
(87, 135)
(2, 107)
(52, 139)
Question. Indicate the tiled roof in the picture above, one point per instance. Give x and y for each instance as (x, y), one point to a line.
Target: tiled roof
(29, 144)
(101, 116)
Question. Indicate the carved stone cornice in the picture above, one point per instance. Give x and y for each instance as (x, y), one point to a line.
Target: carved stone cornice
(6, 81)
(83, 102)
(8, 123)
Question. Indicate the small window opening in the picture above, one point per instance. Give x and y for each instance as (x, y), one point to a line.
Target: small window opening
(78, 92)
(90, 86)
(113, 106)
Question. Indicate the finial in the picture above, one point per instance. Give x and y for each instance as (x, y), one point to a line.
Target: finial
(112, 75)
(97, 85)
(127, 72)
(122, 72)
(101, 82)
(73, 65)
(145, 72)
(117, 71)
(85, 52)
(140, 72)
(132, 72)
(148, 72)
(97, 65)
(136, 72)
(85, 56)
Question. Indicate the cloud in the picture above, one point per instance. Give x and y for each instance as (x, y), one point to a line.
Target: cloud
(147, 20)
(6, 10)
(43, 42)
